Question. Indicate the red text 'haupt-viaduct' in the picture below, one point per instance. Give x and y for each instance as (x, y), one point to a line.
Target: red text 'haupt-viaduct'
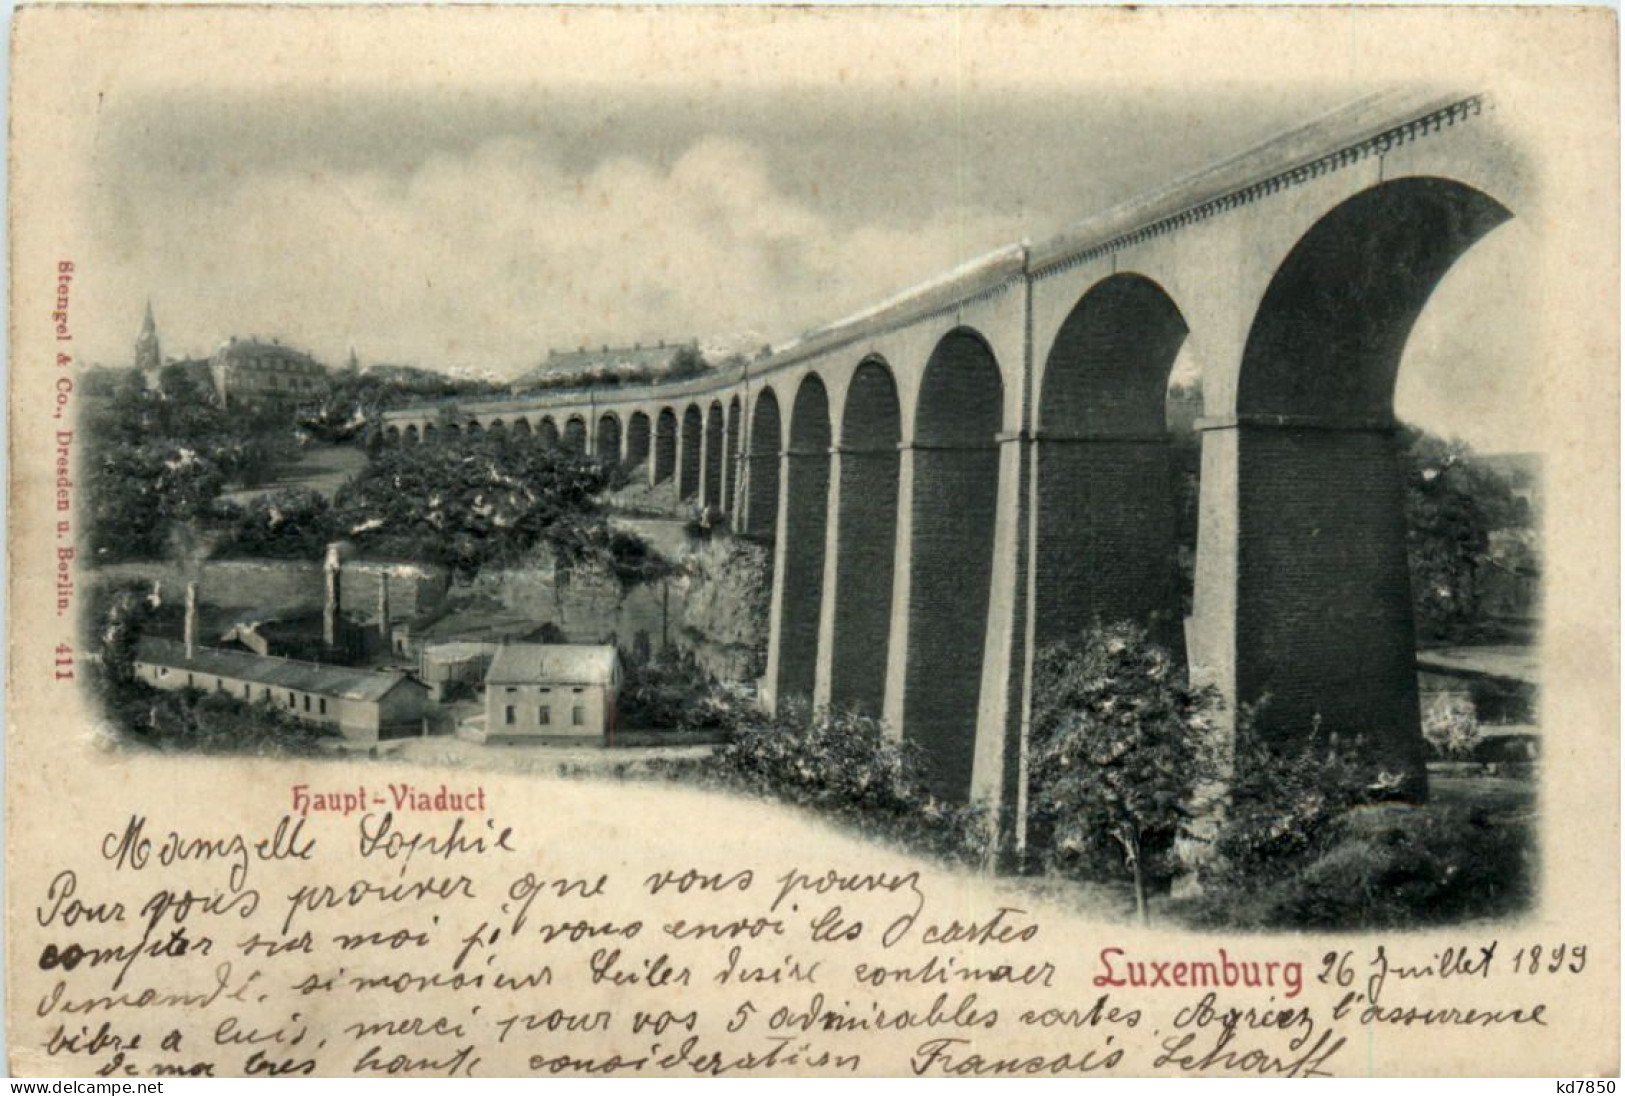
(964, 473)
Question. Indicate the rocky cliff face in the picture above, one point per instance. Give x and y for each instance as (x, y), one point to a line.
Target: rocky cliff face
(714, 605)
(723, 612)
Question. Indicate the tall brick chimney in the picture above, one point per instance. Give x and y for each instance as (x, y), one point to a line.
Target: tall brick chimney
(191, 620)
(383, 607)
(330, 608)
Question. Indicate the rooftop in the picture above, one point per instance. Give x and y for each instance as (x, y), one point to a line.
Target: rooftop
(343, 682)
(235, 348)
(459, 650)
(475, 622)
(637, 356)
(573, 663)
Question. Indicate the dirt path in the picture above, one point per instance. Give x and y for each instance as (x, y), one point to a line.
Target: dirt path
(456, 753)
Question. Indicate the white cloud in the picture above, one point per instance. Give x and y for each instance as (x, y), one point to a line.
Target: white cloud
(484, 260)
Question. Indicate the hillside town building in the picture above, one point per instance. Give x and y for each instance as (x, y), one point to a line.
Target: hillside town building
(636, 359)
(536, 692)
(253, 373)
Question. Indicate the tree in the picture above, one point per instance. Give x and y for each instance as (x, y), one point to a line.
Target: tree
(159, 458)
(487, 501)
(119, 612)
(136, 495)
(293, 523)
(1452, 504)
(687, 362)
(1121, 745)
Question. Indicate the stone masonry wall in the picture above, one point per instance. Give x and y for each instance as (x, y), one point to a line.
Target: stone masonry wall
(1324, 591)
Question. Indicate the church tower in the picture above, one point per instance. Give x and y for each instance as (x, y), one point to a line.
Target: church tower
(148, 360)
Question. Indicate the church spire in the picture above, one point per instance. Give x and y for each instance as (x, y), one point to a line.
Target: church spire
(148, 359)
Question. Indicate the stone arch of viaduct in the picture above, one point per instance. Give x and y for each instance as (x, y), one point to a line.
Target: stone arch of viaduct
(966, 472)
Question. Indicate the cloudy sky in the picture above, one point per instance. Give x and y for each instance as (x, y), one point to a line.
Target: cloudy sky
(473, 227)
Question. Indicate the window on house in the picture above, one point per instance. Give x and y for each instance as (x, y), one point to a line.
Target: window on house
(544, 715)
(307, 702)
(293, 701)
(578, 715)
(189, 681)
(248, 692)
(163, 671)
(219, 685)
(321, 705)
(508, 715)
(265, 692)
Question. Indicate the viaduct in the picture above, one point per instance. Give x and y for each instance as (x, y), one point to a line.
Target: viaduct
(960, 475)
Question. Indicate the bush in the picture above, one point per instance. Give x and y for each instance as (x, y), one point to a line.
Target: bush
(1121, 744)
(1386, 867)
(1306, 841)
(848, 767)
(1450, 724)
(669, 693)
(1453, 501)
(212, 723)
(1283, 805)
(136, 495)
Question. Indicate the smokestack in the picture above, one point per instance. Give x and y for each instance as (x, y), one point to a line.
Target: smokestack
(330, 608)
(191, 620)
(383, 607)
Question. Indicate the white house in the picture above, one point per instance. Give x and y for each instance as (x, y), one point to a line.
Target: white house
(538, 692)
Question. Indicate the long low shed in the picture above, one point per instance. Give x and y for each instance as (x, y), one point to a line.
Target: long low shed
(364, 705)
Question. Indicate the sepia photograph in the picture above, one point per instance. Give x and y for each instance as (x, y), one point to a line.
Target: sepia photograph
(920, 542)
